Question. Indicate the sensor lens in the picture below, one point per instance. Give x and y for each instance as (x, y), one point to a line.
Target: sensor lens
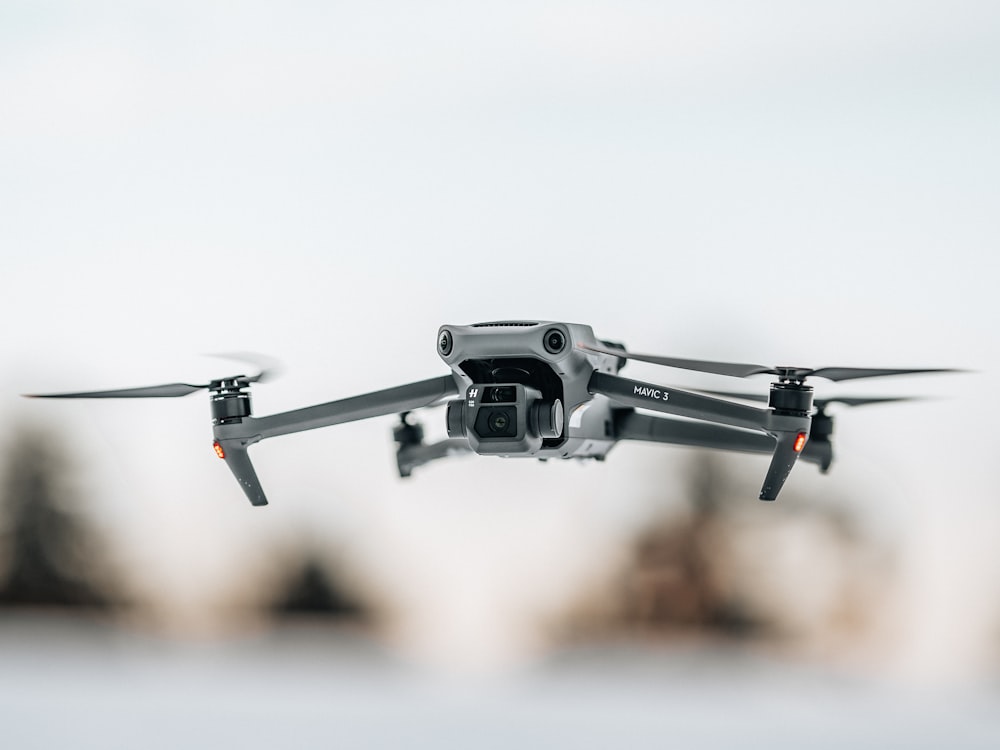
(504, 394)
(445, 342)
(554, 341)
(498, 422)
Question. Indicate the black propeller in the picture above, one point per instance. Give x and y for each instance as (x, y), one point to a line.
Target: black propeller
(743, 370)
(268, 369)
(819, 403)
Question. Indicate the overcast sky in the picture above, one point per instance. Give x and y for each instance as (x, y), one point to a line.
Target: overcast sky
(782, 182)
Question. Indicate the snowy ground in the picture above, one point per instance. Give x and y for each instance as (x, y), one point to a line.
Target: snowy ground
(93, 686)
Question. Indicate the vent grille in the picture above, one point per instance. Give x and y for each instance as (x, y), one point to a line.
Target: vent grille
(505, 324)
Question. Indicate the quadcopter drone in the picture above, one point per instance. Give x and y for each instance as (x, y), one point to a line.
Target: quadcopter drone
(546, 390)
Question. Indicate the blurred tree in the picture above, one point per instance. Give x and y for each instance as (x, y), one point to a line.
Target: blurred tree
(313, 587)
(678, 574)
(52, 555)
(723, 564)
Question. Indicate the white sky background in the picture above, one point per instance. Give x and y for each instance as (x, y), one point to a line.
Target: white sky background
(783, 182)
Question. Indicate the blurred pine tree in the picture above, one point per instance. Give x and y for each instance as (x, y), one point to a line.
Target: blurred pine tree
(314, 588)
(53, 557)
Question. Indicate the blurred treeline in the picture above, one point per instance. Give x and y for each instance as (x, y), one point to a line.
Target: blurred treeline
(713, 563)
(53, 556)
(717, 563)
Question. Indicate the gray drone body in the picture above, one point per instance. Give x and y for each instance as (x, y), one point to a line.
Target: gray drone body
(534, 377)
(544, 390)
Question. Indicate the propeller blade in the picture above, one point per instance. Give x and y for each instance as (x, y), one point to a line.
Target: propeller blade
(168, 390)
(743, 370)
(853, 373)
(734, 369)
(863, 400)
(819, 402)
(269, 367)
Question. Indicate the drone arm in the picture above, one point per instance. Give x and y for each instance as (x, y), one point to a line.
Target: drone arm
(368, 405)
(630, 425)
(233, 438)
(409, 457)
(789, 431)
(677, 402)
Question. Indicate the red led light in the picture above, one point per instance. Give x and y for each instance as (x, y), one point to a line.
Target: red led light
(218, 449)
(800, 442)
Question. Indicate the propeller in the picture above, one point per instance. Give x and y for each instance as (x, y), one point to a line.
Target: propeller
(743, 370)
(268, 367)
(819, 403)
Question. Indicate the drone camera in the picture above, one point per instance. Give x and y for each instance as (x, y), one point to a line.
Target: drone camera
(505, 419)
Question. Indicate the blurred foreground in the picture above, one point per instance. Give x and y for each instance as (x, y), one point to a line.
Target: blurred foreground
(86, 684)
(714, 624)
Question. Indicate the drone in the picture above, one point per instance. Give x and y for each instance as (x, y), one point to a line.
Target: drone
(546, 390)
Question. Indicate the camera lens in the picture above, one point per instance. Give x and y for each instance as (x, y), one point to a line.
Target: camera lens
(445, 342)
(501, 394)
(498, 422)
(554, 341)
